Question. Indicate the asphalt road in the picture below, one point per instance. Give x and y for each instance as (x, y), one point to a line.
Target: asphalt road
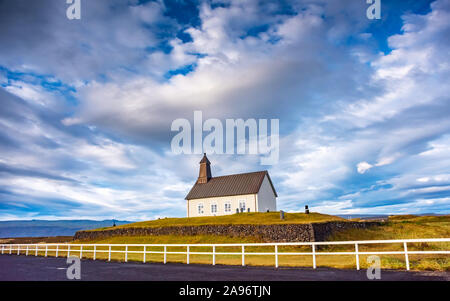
(30, 268)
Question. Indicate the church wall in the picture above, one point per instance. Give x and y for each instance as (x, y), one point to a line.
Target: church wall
(249, 199)
(265, 197)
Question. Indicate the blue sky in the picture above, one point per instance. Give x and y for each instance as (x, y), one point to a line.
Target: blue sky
(87, 105)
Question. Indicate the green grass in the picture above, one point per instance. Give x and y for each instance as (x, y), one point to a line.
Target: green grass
(399, 227)
(266, 218)
(405, 227)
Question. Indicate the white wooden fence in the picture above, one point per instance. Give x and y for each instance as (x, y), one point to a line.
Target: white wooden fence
(113, 248)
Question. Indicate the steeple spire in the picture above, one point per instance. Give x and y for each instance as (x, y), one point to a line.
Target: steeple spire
(205, 170)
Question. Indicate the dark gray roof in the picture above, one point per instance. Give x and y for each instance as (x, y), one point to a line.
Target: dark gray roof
(239, 184)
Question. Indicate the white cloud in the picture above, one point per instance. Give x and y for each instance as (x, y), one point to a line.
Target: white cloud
(32, 93)
(362, 167)
(334, 207)
(109, 153)
(336, 111)
(112, 35)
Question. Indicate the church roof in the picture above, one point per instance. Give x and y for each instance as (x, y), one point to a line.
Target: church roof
(238, 184)
(205, 159)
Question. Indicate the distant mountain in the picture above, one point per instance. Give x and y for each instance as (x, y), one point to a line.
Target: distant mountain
(44, 228)
(363, 216)
(381, 216)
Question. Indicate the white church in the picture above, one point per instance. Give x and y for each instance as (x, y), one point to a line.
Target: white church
(246, 192)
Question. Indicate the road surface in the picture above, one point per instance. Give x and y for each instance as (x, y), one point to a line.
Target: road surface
(13, 267)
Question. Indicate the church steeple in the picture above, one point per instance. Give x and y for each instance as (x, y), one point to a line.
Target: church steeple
(205, 170)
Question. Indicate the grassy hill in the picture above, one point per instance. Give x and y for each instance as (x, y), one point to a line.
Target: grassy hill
(406, 226)
(401, 226)
(236, 219)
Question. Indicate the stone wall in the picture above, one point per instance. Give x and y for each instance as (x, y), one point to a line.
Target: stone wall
(323, 230)
(267, 233)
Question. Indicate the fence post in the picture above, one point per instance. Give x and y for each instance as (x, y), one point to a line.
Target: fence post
(3, 248)
(187, 255)
(109, 253)
(126, 253)
(95, 251)
(26, 254)
(46, 250)
(214, 255)
(276, 256)
(406, 255)
(357, 256)
(10, 249)
(145, 248)
(18, 249)
(68, 250)
(243, 255)
(81, 251)
(36, 250)
(314, 254)
(165, 254)
(57, 248)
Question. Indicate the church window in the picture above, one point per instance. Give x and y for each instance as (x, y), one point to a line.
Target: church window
(200, 208)
(242, 206)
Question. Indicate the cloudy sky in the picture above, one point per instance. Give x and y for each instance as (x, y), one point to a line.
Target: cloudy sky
(86, 105)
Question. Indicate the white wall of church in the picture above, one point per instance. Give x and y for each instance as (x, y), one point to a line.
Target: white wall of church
(233, 201)
(266, 199)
